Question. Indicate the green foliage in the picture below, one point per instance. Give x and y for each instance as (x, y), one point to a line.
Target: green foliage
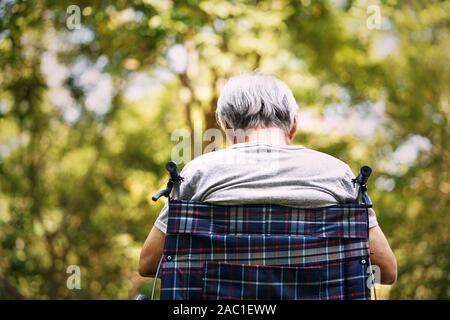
(76, 177)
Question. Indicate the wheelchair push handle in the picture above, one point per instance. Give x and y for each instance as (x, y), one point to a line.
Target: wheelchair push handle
(360, 182)
(174, 180)
(173, 171)
(364, 175)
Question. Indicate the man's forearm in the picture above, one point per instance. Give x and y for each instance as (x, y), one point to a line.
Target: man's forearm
(382, 256)
(151, 253)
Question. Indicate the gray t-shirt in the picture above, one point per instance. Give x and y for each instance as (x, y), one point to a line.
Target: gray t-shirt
(256, 173)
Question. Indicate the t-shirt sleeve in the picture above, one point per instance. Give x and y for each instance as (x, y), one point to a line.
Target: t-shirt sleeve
(186, 193)
(373, 222)
(161, 221)
(348, 186)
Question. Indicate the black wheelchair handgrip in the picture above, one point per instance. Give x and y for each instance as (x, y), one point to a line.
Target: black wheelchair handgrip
(363, 176)
(173, 171)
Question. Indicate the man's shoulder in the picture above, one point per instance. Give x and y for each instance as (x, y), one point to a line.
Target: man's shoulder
(206, 160)
(325, 157)
(328, 162)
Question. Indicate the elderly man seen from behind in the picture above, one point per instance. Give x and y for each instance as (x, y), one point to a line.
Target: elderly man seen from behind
(262, 167)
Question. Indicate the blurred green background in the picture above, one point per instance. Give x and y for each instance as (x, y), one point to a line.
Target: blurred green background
(86, 117)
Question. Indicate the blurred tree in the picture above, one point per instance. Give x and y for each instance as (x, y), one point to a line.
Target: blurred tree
(82, 148)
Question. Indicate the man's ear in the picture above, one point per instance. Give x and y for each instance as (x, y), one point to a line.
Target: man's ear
(229, 132)
(223, 124)
(293, 130)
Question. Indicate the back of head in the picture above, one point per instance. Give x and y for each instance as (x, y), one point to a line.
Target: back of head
(254, 100)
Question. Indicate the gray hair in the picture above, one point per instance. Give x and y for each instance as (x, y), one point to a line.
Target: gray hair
(253, 100)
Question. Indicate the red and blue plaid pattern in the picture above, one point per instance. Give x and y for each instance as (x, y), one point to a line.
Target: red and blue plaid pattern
(265, 252)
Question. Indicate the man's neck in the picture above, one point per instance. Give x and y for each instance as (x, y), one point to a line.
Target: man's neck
(273, 136)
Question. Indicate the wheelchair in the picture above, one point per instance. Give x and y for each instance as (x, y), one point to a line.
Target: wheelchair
(275, 252)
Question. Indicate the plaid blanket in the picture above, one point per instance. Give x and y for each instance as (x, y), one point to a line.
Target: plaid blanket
(265, 252)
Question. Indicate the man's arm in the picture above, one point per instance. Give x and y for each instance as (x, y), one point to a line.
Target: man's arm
(382, 256)
(151, 253)
(380, 251)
